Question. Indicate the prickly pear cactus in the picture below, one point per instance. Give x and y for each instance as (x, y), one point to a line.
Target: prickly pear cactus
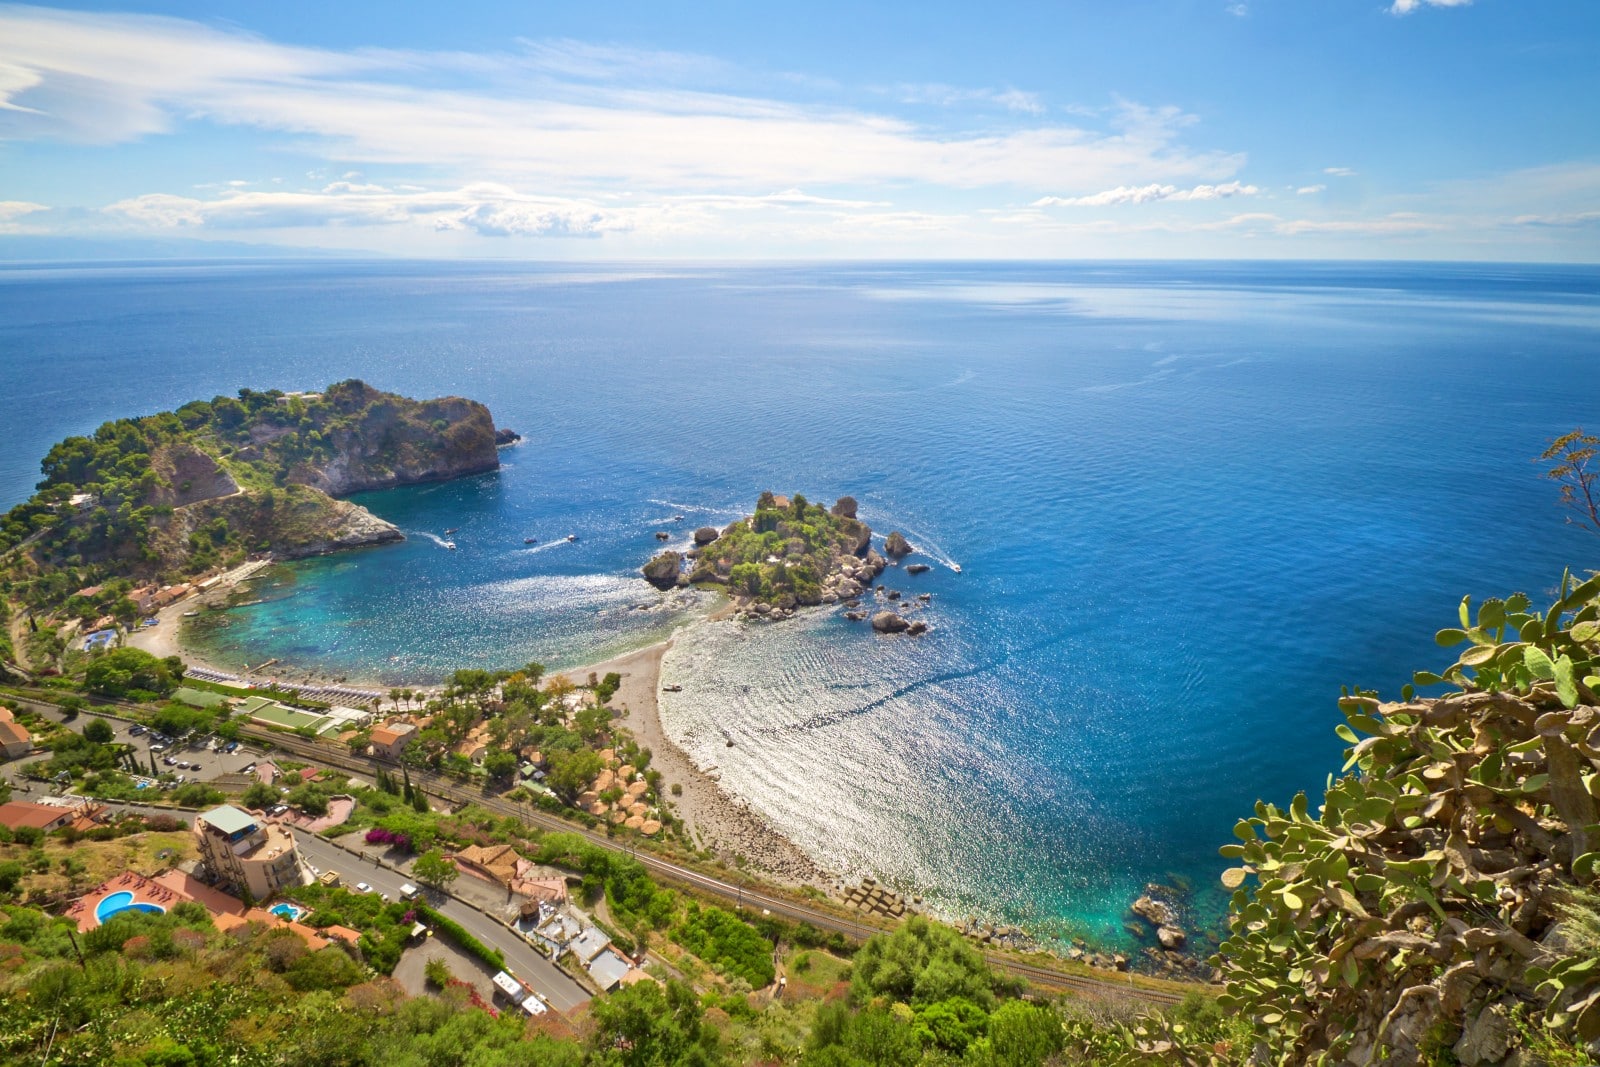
(1424, 905)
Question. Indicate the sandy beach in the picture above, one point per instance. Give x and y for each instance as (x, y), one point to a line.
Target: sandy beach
(716, 819)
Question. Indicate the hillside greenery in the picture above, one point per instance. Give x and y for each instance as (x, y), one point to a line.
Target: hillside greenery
(165, 496)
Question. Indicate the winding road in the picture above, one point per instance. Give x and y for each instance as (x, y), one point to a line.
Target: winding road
(1039, 974)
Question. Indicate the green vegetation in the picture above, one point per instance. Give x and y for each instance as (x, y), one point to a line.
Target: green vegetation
(782, 553)
(130, 672)
(431, 868)
(159, 499)
(728, 943)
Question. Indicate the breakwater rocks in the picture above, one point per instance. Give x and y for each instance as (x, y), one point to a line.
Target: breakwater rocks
(875, 899)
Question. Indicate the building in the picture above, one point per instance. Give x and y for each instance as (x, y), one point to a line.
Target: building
(390, 739)
(15, 740)
(248, 852)
(19, 814)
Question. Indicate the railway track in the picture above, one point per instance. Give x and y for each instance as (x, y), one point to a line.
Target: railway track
(741, 896)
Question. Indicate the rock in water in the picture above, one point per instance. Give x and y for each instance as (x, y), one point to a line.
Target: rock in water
(918, 627)
(897, 545)
(503, 437)
(662, 535)
(1171, 937)
(845, 507)
(917, 568)
(705, 535)
(887, 622)
(662, 572)
(1156, 912)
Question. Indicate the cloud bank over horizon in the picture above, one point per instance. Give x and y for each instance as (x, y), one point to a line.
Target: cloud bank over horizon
(643, 151)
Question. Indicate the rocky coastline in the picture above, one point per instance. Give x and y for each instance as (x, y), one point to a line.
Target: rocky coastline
(790, 555)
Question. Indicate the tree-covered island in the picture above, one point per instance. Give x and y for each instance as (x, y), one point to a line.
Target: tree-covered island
(791, 553)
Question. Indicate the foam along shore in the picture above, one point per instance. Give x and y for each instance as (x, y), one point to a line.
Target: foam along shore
(715, 819)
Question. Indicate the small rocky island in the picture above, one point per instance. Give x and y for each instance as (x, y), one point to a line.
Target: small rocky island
(789, 554)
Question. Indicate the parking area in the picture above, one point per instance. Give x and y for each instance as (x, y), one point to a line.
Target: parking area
(194, 759)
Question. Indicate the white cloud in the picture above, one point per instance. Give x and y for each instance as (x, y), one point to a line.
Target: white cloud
(12, 210)
(490, 209)
(1240, 10)
(1570, 219)
(1146, 194)
(950, 96)
(556, 116)
(1406, 7)
(1310, 190)
(1339, 172)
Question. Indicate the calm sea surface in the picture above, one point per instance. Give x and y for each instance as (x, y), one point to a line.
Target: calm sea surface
(1189, 502)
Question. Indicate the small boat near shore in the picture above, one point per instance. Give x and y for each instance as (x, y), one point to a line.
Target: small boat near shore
(530, 540)
(572, 537)
(956, 567)
(451, 545)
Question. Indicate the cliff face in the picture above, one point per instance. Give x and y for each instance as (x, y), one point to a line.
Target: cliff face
(379, 440)
(291, 523)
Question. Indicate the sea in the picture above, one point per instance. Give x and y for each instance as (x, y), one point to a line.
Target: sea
(1188, 503)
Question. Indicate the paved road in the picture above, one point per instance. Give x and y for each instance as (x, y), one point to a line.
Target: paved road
(794, 910)
(560, 989)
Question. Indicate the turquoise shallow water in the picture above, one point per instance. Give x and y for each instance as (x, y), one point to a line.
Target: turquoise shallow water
(1189, 502)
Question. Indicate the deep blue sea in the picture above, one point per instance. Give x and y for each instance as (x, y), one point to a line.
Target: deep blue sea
(1189, 501)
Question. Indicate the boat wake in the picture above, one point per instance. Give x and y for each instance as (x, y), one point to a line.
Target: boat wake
(547, 546)
(435, 538)
(733, 513)
(926, 546)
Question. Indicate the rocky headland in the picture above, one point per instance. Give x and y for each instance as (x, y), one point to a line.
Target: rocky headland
(170, 496)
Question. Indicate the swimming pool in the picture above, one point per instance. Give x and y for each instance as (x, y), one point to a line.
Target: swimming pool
(292, 912)
(114, 903)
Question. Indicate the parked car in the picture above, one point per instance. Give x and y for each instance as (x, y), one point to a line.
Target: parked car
(409, 892)
(169, 761)
(231, 746)
(136, 731)
(362, 887)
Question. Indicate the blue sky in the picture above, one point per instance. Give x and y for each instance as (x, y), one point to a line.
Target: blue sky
(1410, 129)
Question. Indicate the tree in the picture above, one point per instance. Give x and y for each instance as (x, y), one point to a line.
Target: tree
(99, 732)
(126, 670)
(571, 772)
(500, 764)
(309, 798)
(1580, 486)
(1023, 1034)
(431, 868)
(260, 796)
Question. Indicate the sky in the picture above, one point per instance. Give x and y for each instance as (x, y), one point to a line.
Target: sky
(1150, 129)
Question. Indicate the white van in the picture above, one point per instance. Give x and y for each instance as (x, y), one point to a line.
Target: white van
(409, 892)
